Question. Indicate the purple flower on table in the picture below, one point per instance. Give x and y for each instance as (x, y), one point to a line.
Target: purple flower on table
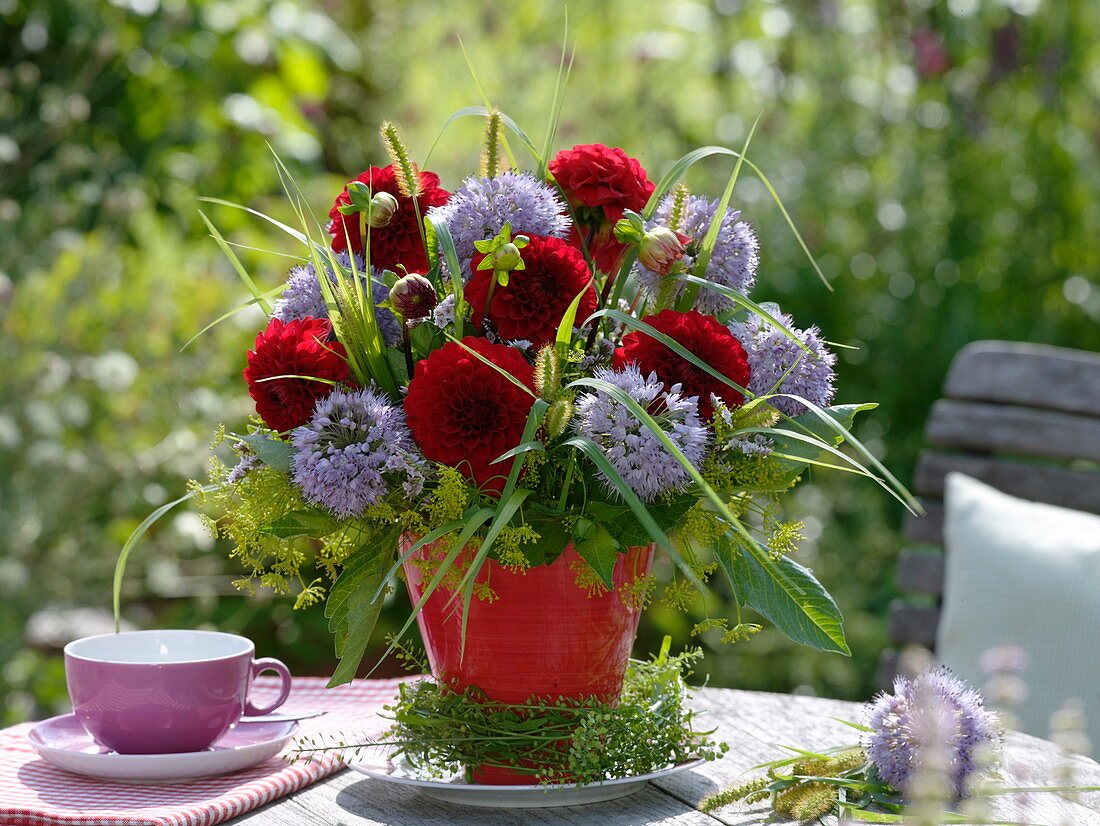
(481, 207)
(936, 710)
(302, 297)
(635, 451)
(733, 262)
(780, 365)
(355, 451)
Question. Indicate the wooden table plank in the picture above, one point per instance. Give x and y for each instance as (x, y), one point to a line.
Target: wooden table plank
(755, 724)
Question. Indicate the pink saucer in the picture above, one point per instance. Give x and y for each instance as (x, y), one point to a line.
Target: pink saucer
(63, 742)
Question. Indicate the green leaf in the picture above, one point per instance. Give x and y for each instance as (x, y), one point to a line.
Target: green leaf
(568, 321)
(274, 453)
(311, 522)
(351, 610)
(553, 538)
(425, 338)
(786, 593)
(624, 525)
(600, 550)
(396, 359)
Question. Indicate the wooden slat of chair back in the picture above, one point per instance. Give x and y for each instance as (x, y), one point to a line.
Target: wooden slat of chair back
(1024, 418)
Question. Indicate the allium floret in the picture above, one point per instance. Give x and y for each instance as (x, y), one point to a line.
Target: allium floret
(481, 207)
(355, 450)
(780, 365)
(733, 262)
(644, 463)
(936, 710)
(302, 297)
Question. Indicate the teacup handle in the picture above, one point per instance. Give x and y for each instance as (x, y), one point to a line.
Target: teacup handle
(269, 664)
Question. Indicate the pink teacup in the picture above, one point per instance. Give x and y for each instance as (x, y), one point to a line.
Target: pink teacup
(164, 692)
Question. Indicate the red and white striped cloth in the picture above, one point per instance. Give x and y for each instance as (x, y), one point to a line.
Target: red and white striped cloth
(34, 793)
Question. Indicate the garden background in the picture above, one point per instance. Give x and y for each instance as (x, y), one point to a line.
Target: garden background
(941, 159)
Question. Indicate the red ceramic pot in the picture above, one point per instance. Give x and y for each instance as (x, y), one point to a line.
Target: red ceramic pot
(543, 636)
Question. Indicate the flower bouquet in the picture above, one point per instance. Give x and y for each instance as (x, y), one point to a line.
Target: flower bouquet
(512, 394)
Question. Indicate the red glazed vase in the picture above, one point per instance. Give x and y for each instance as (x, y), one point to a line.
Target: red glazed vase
(543, 636)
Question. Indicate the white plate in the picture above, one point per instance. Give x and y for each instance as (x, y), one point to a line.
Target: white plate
(457, 790)
(63, 742)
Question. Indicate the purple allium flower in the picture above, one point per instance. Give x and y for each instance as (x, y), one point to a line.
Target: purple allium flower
(481, 207)
(733, 262)
(772, 353)
(302, 297)
(755, 444)
(632, 448)
(444, 312)
(355, 450)
(600, 354)
(936, 710)
(248, 461)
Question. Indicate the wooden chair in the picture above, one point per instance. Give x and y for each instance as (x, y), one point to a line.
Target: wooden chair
(1024, 418)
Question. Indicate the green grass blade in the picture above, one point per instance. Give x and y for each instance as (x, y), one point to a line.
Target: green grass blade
(257, 293)
(427, 539)
(499, 369)
(672, 344)
(288, 230)
(132, 540)
(907, 498)
(790, 222)
(702, 260)
(274, 291)
(504, 515)
(447, 245)
(669, 179)
(474, 521)
(746, 302)
(641, 512)
(558, 99)
(485, 96)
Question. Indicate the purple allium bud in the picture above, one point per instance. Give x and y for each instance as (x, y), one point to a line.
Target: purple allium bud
(413, 296)
(661, 248)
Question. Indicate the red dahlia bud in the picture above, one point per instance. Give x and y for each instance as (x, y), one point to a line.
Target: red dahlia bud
(413, 296)
(381, 210)
(661, 248)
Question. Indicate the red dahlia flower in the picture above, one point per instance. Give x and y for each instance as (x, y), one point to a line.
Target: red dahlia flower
(295, 348)
(532, 304)
(399, 241)
(701, 335)
(600, 182)
(464, 413)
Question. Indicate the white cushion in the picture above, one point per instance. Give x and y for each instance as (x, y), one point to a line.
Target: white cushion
(1025, 574)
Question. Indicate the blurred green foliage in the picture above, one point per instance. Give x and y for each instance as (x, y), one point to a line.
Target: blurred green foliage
(940, 158)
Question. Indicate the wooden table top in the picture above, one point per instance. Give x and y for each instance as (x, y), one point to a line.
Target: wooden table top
(755, 724)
